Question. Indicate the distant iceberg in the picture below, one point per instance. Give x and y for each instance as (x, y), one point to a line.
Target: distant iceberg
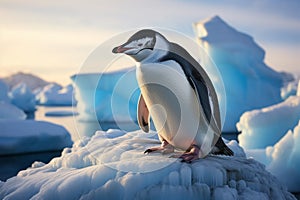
(56, 95)
(124, 172)
(7, 110)
(110, 96)
(22, 97)
(249, 82)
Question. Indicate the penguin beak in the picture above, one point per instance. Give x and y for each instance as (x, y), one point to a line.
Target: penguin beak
(120, 49)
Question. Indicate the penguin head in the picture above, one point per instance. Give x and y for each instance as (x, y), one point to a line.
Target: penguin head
(140, 45)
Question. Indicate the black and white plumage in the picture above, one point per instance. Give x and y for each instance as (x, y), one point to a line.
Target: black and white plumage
(178, 94)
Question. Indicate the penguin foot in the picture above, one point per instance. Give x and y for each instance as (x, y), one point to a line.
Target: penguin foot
(191, 154)
(165, 148)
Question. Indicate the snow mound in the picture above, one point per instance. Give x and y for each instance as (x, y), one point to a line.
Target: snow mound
(9, 111)
(22, 97)
(265, 127)
(55, 95)
(111, 165)
(23, 136)
(109, 96)
(32, 81)
(249, 82)
(4, 92)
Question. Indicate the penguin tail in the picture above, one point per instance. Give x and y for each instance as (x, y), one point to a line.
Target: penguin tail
(222, 149)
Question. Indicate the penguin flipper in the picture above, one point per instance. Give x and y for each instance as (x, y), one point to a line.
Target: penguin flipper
(222, 148)
(202, 93)
(143, 115)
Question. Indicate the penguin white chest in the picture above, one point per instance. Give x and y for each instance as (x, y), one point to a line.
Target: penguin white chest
(172, 103)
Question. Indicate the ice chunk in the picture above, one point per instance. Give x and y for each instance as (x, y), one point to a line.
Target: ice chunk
(249, 82)
(9, 111)
(265, 127)
(111, 165)
(23, 136)
(55, 95)
(23, 98)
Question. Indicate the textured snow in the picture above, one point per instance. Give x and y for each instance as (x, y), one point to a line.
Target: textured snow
(9, 111)
(249, 82)
(56, 95)
(111, 165)
(109, 96)
(265, 127)
(23, 136)
(22, 97)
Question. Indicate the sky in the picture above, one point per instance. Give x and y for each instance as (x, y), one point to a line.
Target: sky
(52, 39)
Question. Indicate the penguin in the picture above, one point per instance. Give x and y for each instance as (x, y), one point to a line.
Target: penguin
(178, 95)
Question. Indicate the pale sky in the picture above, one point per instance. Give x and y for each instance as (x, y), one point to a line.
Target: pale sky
(52, 39)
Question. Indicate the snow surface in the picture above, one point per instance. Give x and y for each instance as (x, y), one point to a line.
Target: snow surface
(55, 95)
(23, 136)
(111, 165)
(9, 111)
(109, 96)
(22, 97)
(249, 82)
(265, 127)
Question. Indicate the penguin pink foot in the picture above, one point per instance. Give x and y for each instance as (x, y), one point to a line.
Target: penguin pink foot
(191, 154)
(164, 148)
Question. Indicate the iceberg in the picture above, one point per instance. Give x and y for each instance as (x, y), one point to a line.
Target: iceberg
(24, 136)
(55, 95)
(249, 82)
(22, 97)
(110, 96)
(111, 165)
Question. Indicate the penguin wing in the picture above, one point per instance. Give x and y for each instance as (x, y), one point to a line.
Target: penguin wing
(202, 92)
(143, 115)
